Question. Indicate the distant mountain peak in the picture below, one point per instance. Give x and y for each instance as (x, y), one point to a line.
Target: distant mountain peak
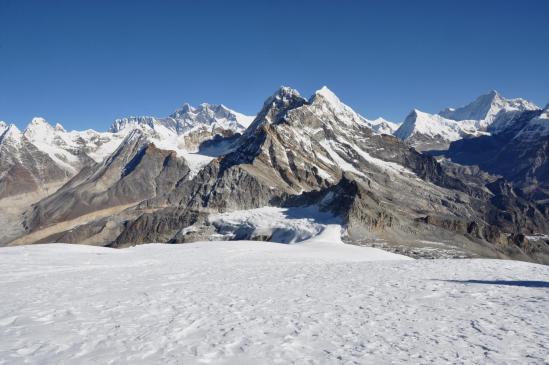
(486, 107)
(424, 129)
(11, 133)
(185, 108)
(284, 93)
(38, 122)
(58, 127)
(382, 126)
(494, 93)
(276, 105)
(188, 117)
(327, 94)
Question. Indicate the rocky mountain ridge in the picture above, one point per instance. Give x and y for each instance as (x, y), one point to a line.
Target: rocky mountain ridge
(315, 153)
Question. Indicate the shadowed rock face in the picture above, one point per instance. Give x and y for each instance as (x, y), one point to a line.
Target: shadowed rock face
(299, 152)
(520, 157)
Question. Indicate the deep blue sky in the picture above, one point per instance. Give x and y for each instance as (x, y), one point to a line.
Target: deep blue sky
(84, 63)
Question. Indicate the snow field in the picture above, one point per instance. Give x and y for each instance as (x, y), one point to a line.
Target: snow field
(248, 302)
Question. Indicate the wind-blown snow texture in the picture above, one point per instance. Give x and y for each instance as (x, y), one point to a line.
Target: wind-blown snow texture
(256, 302)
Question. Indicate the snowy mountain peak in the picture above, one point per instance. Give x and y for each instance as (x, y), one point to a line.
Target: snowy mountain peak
(38, 122)
(494, 93)
(274, 108)
(328, 95)
(486, 107)
(12, 134)
(185, 109)
(210, 114)
(325, 102)
(186, 118)
(38, 128)
(131, 122)
(382, 126)
(431, 129)
(284, 93)
(59, 128)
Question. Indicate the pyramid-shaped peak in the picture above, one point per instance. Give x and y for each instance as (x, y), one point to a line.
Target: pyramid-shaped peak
(415, 113)
(13, 128)
(327, 95)
(486, 107)
(11, 133)
(38, 126)
(185, 109)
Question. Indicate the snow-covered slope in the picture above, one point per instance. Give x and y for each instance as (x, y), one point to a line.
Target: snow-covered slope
(348, 115)
(185, 130)
(188, 118)
(255, 302)
(10, 134)
(428, 131)
(536, 127)
(382, 126)
(486, 108)
(490, 113)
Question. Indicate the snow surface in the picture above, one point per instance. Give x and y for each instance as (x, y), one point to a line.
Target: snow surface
(433, 125)
(283, 225)
(257, 302)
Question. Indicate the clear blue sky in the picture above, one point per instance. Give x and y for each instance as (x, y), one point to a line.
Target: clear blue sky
(84, 63)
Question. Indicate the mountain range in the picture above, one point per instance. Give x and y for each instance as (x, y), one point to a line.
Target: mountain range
(164, 179)
(488, 114)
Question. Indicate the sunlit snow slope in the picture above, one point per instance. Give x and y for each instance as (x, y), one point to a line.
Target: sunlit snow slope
(248, 302)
